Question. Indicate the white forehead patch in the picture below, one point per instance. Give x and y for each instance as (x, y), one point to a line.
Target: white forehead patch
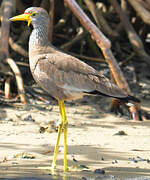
(29, 9)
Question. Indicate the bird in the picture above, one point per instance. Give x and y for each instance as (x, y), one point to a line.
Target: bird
(63, 76)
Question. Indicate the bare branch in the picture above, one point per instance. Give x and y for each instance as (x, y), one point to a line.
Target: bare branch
(132, 35)
(142, 12)
(17, 48)
(76, 39)
(7, 7)
(18, 77)
(92, 8)
(100, 20)
(7, 88)
(51, 14)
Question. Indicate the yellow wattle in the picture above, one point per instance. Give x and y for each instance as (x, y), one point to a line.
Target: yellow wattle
(29, 21)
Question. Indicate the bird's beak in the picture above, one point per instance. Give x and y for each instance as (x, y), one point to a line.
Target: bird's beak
(22, 17)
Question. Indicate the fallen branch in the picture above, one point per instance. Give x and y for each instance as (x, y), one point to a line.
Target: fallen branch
(8, 101)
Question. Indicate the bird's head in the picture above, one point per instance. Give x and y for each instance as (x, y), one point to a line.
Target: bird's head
(33, 15)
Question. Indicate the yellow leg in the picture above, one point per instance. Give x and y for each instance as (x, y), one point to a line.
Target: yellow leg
(65, 125)
(58, 137)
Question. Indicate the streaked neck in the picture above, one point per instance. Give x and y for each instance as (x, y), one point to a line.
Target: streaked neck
(38, 37)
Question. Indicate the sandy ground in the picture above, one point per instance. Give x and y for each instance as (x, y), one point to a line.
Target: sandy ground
(24, 151)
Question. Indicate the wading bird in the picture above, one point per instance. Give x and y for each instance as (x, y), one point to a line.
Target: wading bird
(63, 76)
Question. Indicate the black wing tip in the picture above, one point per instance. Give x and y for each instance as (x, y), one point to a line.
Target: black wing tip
(132, 98)
(124, 99)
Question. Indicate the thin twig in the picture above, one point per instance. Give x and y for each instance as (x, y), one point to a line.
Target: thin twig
(62, 22)
(87, 58)
(122, 63)
(8, 101)
(76, 39)
(22, 64)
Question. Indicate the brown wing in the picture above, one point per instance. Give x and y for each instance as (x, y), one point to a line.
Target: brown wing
(71, 74)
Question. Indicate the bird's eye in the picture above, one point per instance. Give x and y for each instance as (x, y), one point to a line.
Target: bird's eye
(34, 14)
